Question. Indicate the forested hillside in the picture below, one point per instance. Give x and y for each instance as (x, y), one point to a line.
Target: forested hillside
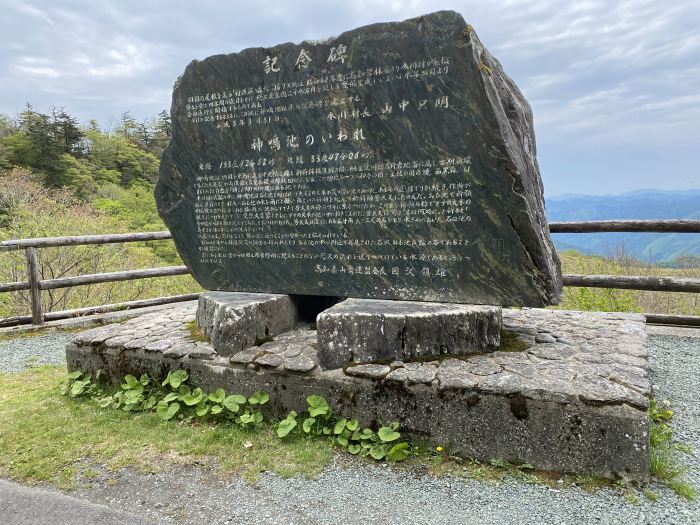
(60, 178)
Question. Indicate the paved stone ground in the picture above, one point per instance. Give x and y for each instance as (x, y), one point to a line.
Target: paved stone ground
(367, 494)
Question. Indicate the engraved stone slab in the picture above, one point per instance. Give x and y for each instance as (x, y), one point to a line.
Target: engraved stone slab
(236, 321)
(396, 161)
(367, 330)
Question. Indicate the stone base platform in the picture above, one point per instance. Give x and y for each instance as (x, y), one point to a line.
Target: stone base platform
(571, 395)
(370, 330)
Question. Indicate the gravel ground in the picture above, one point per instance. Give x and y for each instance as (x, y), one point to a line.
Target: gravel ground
(368, 494)
(20, 353)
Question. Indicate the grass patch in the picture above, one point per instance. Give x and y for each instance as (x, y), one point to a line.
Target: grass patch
(47, 437)
(666, 463)
(196, 333)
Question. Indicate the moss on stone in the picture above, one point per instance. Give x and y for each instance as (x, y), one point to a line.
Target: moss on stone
(196, 333)
(510, 342)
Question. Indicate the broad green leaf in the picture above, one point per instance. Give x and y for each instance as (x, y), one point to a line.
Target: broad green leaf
(354, 449)
(231, 403)
(216, 409)
(352, 425)
(259, 398)
(386, 434)
(78, 387)
(285, 427)
(74, 375)
(327, 431)
(398, 452)
(202, 409)
(172, 396)
(318, 406)
(167, 411)
(150, 403)
(308, 423)
(340, 426)
(217, 396)
(175, 379)
(378, 452)
(342, 441)
(194, 398)
(144, 379)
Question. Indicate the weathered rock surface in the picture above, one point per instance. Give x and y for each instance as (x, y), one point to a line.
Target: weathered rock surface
(396, 161)
(576, 405)
(236, 321)
(366, 331)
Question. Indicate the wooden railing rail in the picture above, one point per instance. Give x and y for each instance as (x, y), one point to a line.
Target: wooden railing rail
(650, 226)
(35, 284)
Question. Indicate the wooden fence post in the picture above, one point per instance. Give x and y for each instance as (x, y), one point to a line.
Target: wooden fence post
(34, 290)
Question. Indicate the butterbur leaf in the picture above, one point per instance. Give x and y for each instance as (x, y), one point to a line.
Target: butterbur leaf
(259, 398)
(216, 409)
(217, 396)
(104, 402)
(352, 425)
(150, 403)
(340, 426)
(78, 387)
(202, 409)
(238, 399)
(74, 375)
(378, 452)
(327, 431)
(175, 379)
(386, 434)
(231, 403)
(318, 406)
(130, 382)
(184, 390)
(172, 396)
(167, 411)
(285, 427)
(308, 423)
(398, 452)
(258, 417)
(342, 441)
(194, 398)
(354, 449)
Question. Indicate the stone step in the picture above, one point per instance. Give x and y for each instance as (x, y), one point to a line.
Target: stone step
(370, 331)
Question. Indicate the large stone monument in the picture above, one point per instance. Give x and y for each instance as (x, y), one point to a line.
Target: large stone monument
(396, 161)
(393, 166)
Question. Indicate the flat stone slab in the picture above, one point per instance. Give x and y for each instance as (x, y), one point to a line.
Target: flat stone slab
(236, 321)
(576, 403)
(370, 331)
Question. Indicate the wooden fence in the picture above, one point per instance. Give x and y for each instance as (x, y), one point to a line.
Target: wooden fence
(35, 284)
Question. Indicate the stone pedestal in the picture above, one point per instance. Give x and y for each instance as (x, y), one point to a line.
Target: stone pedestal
(371, 331)
(575, 403)
(236, 321)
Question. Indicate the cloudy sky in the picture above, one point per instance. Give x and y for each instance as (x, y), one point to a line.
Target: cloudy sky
(614, 85)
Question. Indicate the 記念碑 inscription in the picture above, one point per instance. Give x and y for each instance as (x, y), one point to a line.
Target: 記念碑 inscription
(396, 161)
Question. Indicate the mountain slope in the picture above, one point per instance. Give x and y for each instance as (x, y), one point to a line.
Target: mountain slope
(643, 204)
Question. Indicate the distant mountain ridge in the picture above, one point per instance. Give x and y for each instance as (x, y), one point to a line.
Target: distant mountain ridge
(640, 204)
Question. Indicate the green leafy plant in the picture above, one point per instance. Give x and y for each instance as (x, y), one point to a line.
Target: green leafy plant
(665, 463)
(346, 433)
(173, 399)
